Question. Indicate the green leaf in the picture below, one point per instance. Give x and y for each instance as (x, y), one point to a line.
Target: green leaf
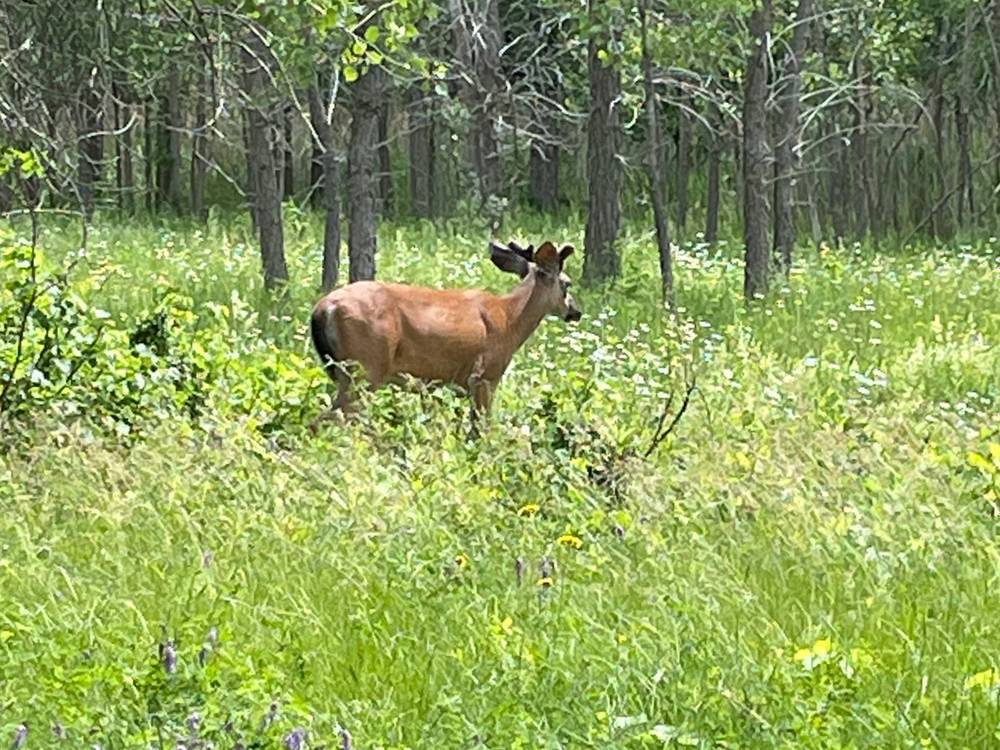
(350, 73)
(359, 48)
(372, 33)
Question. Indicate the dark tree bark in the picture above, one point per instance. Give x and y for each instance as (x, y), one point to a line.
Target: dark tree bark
(654, 163)
(602, 261)
(963, 100)
(150, 153)
(260, 162)
(330, 178)
(316, 176)
(478, 38)
(175, 122)
(941, 214)
(199, 151)
(862, 188)
(712, 199)
(543, 176)
(361, 185)
(123, 149)
(683, 161)
(90, 121)
(786, 157)
(385, 196)
(757, 271)
(287, 157)
(420, 113)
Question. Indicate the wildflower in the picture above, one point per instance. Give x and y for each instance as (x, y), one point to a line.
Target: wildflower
(462, 560)
(544, 582)
(295, 740)
(987, 680)
(571, 541)
(270, 716)
(169, 658)
(20, 737)
(528, 510)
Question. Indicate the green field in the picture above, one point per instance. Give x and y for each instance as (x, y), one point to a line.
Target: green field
(809, 560)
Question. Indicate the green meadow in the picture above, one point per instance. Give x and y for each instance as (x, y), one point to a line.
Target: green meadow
(810, 558)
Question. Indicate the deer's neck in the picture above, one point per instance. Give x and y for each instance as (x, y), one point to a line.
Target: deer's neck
(525, 310)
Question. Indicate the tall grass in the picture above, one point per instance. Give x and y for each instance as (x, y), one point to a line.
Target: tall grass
(809, 559)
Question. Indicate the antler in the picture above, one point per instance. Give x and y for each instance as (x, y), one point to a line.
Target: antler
(528, 253)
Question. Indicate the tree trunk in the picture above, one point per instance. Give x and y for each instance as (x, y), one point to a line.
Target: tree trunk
(543, 176)
(859, 141)
(963, 101)
(288, 156)
(421, 139)
(601, 260)
(91, 149)
(123, 148)
(941, 216)
(478, 38)
(385, 196)
(757, 271)
(786, 149)
(260, 162)
(150, 152)
(683, 161)
(654, 163)
(330, 188)
(712, 200)
(199, 152)
(361, 186)
(175, 122)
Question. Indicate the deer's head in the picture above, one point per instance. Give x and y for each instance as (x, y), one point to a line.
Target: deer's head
(544, 268)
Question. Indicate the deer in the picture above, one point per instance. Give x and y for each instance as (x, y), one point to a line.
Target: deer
(457, 337)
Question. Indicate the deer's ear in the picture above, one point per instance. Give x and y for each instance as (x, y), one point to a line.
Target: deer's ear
(547, 257)
(507, 260)
(566, 251)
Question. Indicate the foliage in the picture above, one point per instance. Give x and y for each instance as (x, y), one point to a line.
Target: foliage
(806, 561)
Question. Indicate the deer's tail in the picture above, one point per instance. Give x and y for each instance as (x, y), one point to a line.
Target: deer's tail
(324, 337)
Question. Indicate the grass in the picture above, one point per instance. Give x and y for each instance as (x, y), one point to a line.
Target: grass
(809, 560)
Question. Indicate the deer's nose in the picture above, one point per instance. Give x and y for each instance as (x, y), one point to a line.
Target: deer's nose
(573, 315)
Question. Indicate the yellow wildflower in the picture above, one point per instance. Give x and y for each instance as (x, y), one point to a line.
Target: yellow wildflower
(528, 510)
(571, 541)
(462, 560)
(987, 679)
(544, 582)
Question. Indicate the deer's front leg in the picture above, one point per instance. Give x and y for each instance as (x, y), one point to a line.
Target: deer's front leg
(481, 392)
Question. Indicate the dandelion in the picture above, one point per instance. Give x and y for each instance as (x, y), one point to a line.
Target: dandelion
(544, 582)
(528, 510)
(571, 541)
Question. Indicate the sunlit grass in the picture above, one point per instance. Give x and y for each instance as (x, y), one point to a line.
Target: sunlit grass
(809, 560)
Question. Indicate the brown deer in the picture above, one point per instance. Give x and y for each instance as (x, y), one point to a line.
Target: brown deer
(464, 337)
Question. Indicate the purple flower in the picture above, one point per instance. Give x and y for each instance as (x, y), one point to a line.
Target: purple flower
(296, 739)
(20, 737)
(169, 657)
